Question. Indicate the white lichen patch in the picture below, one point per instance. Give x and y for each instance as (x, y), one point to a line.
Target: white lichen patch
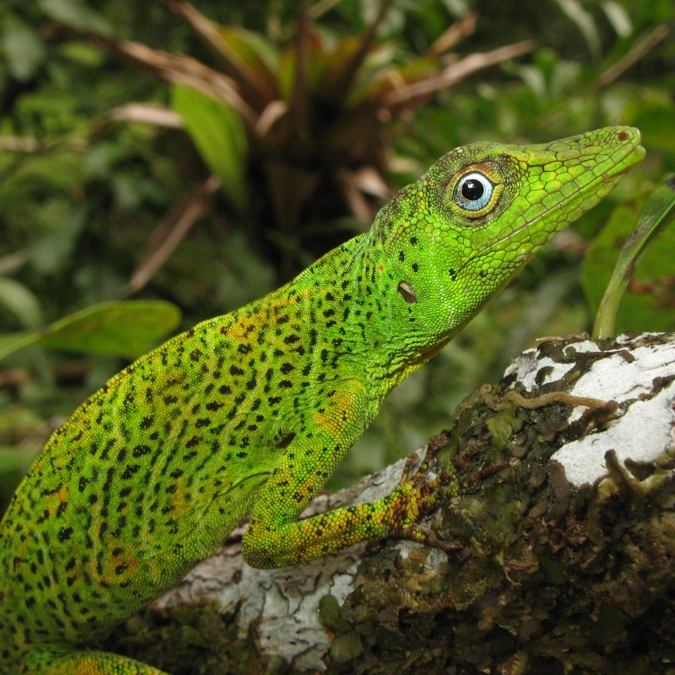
(642, 434)
(625, 339)
(626, 375)
(287, 602)
(527, 365)
(618, 379)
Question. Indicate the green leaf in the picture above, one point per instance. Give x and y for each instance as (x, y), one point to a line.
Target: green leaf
(20, 302)
(260, 55)
(649, 302)
(84, 54)
(127, 328)
(657, 214)
(23, 48)
(618, 17)
(49, 252)
(219, 135)
(12, 342)
(76, 13)
(585, 23)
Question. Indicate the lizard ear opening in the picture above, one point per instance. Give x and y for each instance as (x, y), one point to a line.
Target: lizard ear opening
(407, 291)
(286, 440)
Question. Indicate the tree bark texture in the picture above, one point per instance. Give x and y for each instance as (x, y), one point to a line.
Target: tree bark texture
(565, 552)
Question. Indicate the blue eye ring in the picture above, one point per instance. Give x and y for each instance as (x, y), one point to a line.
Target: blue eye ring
(473, 191)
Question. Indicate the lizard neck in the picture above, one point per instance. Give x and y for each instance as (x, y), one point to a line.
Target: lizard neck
(350, 297)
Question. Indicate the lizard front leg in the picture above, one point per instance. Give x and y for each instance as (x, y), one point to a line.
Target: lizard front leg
(276, 539)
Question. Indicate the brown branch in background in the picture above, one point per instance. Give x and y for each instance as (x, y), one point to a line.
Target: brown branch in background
(612, 73)
(268, 118)
(321, 7)
(11, 262)
(10, 378)
(181, 70)
(355, 183)
(345, 79)
(254, 88)
(169, 233)
(633, 56)
(459, 30)
(298, 105)
(456, 72)
(357, 203)
(29, 144)
(290, 187)
(662, 288)
(19, 144)
(64, 373)
(148, 113)
(369, 180)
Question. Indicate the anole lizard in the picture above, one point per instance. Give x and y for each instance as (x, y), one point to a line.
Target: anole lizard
(250, 412)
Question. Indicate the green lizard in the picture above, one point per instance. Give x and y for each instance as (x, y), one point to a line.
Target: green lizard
(250, 412)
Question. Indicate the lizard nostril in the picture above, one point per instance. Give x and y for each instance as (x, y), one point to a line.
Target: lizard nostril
(623, 136)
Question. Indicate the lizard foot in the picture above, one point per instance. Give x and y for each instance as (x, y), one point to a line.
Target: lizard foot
(421, 493)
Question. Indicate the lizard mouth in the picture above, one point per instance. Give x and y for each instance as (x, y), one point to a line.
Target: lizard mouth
(624, 161)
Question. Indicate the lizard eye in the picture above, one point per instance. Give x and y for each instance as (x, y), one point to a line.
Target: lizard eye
(473, 191)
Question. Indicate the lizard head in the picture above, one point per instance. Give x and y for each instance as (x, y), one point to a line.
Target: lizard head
(449, 242)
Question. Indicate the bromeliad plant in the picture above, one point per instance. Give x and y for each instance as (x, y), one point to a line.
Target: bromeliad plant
(298, 134)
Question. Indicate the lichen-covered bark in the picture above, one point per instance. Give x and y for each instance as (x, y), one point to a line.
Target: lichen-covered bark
(551, 576)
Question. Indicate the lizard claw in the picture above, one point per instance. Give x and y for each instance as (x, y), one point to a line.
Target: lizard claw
(420, 480)
(409, 463)
(428, 537)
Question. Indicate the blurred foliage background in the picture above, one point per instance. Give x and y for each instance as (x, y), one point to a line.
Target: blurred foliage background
(195, 157)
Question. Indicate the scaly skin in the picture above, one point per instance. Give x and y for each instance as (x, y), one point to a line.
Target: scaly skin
(250, 412)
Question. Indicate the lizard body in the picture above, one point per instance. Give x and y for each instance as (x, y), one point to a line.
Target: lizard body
(249, 413)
